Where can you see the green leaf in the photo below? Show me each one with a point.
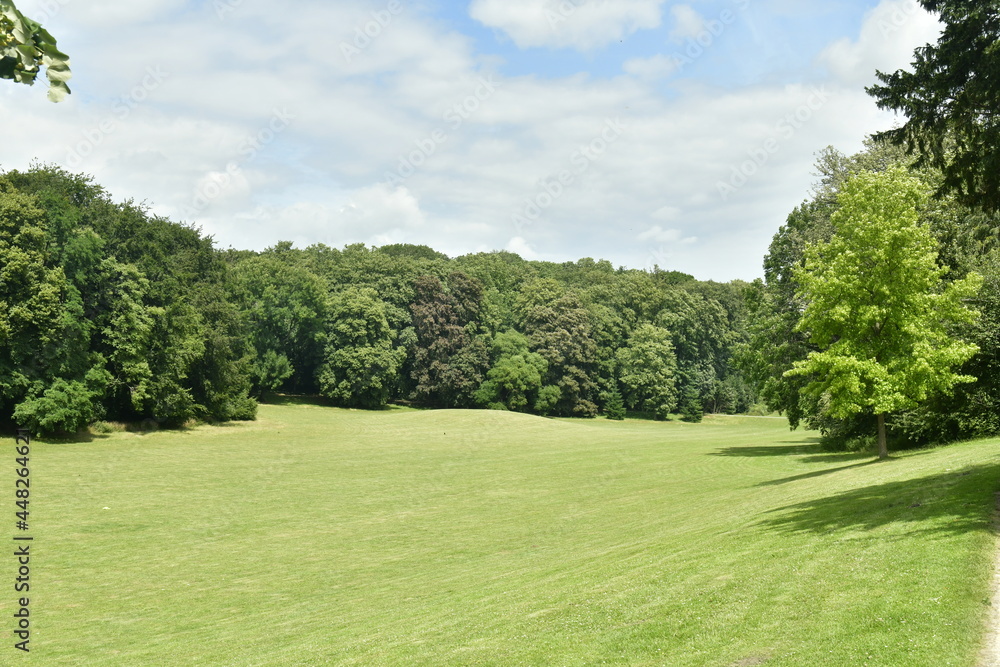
(29, 46)
(58, 91)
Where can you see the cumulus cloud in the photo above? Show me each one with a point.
(379, 204)
(376, 215)
(688, 23)
(519, 246)
(666, 213)
(578, 24)
(886, 42)
(655, 67)
(657, 234)
(100, 14)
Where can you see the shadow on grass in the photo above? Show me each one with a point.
(73, 439)
(295, 399)
(810, 446)
(817, 473)
(945, 503)
(323, 402)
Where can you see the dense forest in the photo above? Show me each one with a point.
(113, 314)
(110, 313)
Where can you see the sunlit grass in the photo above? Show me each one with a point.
(325, 536)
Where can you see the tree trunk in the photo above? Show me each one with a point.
(883, 450)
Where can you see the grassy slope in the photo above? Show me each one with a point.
(329, 536)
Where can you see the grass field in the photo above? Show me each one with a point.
(324, 536)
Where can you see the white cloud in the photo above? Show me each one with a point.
(378, 207)
(375, 215)
(519, 246)
(655, 67)
(688, 23)
(92, 14)
(666, 213)
(657, 234)
(579, 24)
(888, 35)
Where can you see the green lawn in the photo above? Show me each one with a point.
(324, 536)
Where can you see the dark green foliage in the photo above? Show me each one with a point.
(285, 305)
(950, 100)
(615, 407)
(703, 334)
(451, 357)
(221, 377)
(574, 317)
(972, 410)
(175, 330)
(558, 329)
(647, 368)
(360, 365)
(130, 314)
(690, 405)
(515, 378)
(271, 371)
(414, 251)
(63, 408)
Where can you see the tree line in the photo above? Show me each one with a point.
(108, 312)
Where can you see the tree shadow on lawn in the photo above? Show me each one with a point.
(270, 398)
(809, 451)
(947, 503)
(809, 446)
(315, 400)
(807, 454)
(818, 473)
(768, 450)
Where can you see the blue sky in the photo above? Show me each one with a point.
(645, 132)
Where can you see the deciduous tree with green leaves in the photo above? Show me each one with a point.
(647, 369)
(875, 305)
(361, 363)
(515, 378)
(26, 47)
